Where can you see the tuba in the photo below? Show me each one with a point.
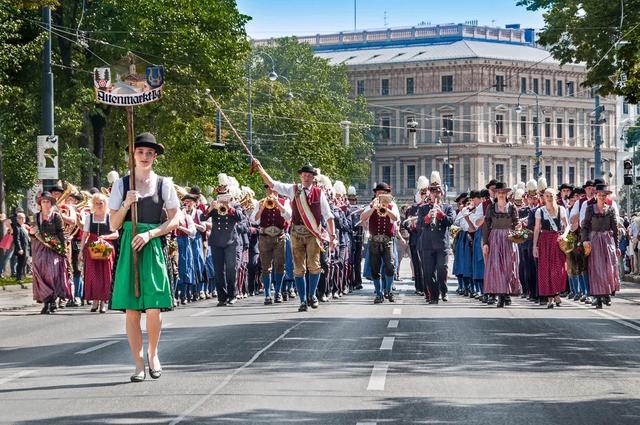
(68, 190)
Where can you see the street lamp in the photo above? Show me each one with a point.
(290, 95)
(272, 77)
(518, 109)
(412, 127)
(447, 133)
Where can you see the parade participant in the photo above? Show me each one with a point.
(310, 206)
(551, 220)
(528, 266)
(564, 192)
(272, 215)
(185, 233)
(434, 221)
(192, 205)
(402, 243)
(343, 231)
(576, 260)
(501, 271)
(600, 239)
(462, 255)
(250, 205)
(356, 234)
(224, 241)
(76, 239)
(49, 266)
(153, 194)
(98, 273)
(21, 246)
(7, 245)
(475, 233)
(576, 217)
(381, 214)
(410, 223)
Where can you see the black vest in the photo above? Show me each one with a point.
(150, 208)
(99, 228)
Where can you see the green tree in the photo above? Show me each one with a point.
(591, 31)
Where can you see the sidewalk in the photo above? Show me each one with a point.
(16, 298)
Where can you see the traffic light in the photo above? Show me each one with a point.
(628, 171)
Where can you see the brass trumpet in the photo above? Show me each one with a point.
(269, 202)
(222, 210)
(381, 204)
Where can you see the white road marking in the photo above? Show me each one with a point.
(230, 376)
(366, 423)
(97, 347)
(396, 311)
(616, 317)
(387, 343)
(200, 313)
(17, 375)
(393, 324)
(378, 377)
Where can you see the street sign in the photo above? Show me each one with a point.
(48, 153)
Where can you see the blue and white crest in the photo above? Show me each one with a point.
(155, 76)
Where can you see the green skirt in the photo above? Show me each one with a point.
(155, 289)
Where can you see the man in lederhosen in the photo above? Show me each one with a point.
(310, 206)
(382, 218)
(272, 216)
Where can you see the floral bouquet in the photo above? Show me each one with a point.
(568, 242)
(454, 231)
(100, 250)
(52, 243)
(520, 235)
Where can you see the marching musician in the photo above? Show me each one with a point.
(356, 234)
(310, 206)
(195, 208)
(272, 216)
(462, 247)
(224, 241)
(410, 224)
(434, 220)
(185, 233)
(382, 215)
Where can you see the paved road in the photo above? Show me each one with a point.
(349, 362)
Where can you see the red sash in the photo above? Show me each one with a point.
(307, 216)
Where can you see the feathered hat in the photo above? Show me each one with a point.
(339, 188)
(422, 183)
(518, 195)
(112, 176)
(542, 184)
(532, 187)
(520, 185)
(351, 191)
(436, 182)
(323, 181)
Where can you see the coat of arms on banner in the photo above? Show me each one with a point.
(122, 85)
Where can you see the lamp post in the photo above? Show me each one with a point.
(536, 167)
(290, 95)
(345, 124)
(272, 76)
(447, 133)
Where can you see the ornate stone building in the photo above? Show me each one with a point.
(462, 84)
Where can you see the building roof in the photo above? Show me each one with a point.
(461, 49)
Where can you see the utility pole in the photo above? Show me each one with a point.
(47, 122)
(354, 14)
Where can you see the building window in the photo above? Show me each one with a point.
(547, 128)
(467, 172)
(536, 88)
(638, 109)
(536, 130)
(560, 175)
(524, 175)
(572, 175)
(384, 87)
(499, 125)
(547, 87)
(572, 128)
(449, 174)
(499, 82)
(409, 85)
(625, 108)
(592, 173)
(411, 176)
(360, 87)
(558, 128)
(386, 127)
(559, 88)
(523, 126)
(547, 173)
(386, 174)
(592, 132)
(447, 125)
(571, 89)
(523, 85)
(499, 172)
(447, 83)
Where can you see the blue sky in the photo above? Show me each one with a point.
(272, 18)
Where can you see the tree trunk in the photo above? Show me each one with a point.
(99, 124)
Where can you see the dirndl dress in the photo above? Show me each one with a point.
(478, 258)
(463, 258)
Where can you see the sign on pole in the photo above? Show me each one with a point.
(48, 157)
